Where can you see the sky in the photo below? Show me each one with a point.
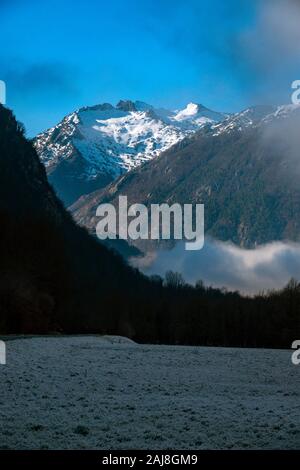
(226, 54)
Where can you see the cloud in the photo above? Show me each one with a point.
(225, 265)
(199, 29)
(268, 52)
(255, 44)
(278, 25)
(36, 80)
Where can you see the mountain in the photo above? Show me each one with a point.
(246, 170)
(94, 145)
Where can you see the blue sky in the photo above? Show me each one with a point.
(61, 55)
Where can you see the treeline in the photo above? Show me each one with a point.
(56, 278)
(209, 316)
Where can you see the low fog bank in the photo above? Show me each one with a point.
(222, 264)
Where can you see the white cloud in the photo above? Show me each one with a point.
(226, 265)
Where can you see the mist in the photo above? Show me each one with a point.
(222, 264)
(268, 52)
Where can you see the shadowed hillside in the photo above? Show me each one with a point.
(54, 276)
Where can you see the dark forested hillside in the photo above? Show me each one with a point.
(54, 277)
(53, 274)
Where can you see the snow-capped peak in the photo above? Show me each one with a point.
(110, 140)
(190, 111)
(197, 115)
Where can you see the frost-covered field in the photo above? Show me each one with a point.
(94, 393)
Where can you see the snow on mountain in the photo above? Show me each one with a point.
(196, 115)
(253, 117)
(245, 170)
(94, 145)
(282, 112)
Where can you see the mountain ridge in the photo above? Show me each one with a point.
(245, 170)
(94, 145)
